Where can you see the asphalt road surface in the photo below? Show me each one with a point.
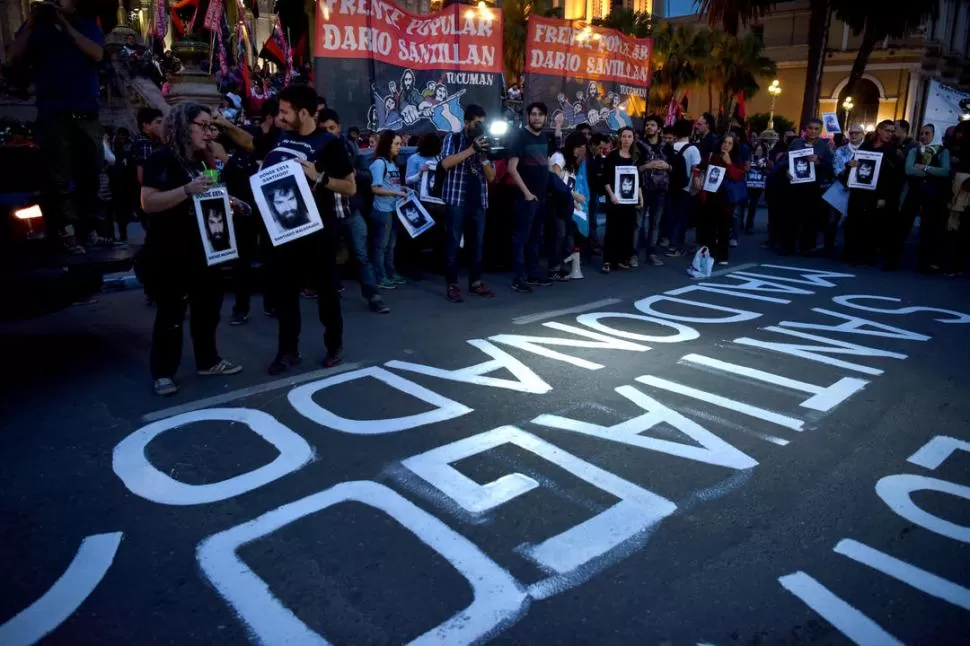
(776, 455)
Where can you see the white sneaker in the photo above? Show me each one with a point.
(733, 243)
(634, 261)
(165, 387)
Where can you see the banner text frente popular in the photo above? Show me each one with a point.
(376, 29)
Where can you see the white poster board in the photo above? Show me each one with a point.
(430, 192)
(626, 185)
(213, 214)
(944, 107)
(713, 178)
(413, 215)
(866, 175)
(830, 120)
(285, 202)
(800, 170)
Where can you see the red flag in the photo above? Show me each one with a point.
(741, 110)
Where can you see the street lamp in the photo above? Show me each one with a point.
(774, 90)
(847, 105)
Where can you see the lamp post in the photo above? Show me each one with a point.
(774, 90)
(847, 105)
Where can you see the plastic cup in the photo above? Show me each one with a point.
(212, 174)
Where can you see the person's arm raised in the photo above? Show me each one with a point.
(90, 48)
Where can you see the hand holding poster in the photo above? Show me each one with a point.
(713, 179)
(626, 185)
(285, 202)
(587, 75)
(866, 174)
(387, 69)
(413, 215)
(214, 218)
(430, 188)
(800, 170)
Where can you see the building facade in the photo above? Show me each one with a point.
(895, 79)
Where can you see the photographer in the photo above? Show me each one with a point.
(64, 49)
(467, 169)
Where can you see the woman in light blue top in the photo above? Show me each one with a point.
(386, 185)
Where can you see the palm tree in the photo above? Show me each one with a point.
(676, 61)
(876, 23)
(744, 63)
(710, 66)
(731, 14)
(516, 18)
(627, 21)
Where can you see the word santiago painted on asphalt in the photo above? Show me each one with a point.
(577, 554)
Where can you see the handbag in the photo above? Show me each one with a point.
(735, 192)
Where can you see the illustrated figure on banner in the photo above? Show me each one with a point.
(589, 109)
(403, 105)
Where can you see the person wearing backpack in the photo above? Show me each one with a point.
(684, 163)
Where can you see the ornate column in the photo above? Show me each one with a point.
(190, 43)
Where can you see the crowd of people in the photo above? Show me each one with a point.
(649, 189)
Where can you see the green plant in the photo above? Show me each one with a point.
(759, 122)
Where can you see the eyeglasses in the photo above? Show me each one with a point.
(204, 125)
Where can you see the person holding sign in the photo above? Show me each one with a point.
(725, 171)
(468, 171)
(386, 184)
(310, 258)
(621, 219)
(872, 214)
(173, 262)
(808, 211)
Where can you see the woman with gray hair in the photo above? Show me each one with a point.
(175, 271)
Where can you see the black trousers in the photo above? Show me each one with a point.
(802, 222)
(754, 197)
(307, 262)
(714, 226)
(868, 228)
(200, 291)
(621, 222)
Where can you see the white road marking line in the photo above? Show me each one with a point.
(249, 391)
(579, 309)
(910, 574)
(849, 621)
(93, 558)
(729, 269)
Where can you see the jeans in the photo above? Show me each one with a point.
(679, 216)
(754, 196)
(526, 238)
(652, 216)
(355, 232)
(383, 241)
(468, 219)
(311, 260)
(173, 294)
(72, 147)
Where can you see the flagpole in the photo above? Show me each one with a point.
(212, 49)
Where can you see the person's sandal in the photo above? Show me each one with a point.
(70, 245)
(622, 265)
(165, 387)
(223, 367)
(605, 268)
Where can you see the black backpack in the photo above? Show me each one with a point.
(678, 175)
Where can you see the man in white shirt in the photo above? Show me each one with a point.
(685, 163)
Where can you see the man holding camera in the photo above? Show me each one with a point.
(64, 50)
(464, 160)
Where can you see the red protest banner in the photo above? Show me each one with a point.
(212, 15)
(558, 48)
(457, 38)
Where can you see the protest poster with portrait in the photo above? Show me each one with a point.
(585, 74)
(626, 185)
(800, 169)
(413, 215)
(866, 174)
(213, 214)
(430, 188)
(285, 202)
(713, 178)
(383, 68)
(830, 120)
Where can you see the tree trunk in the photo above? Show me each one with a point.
(869, 40)
(818, 38)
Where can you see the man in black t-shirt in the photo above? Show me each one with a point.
(311, 258)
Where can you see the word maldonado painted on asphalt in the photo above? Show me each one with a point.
(575, 555)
